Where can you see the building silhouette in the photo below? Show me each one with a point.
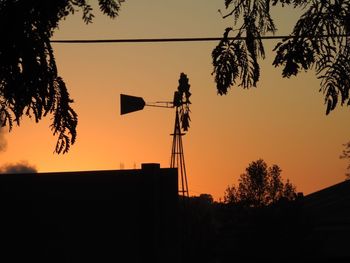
(90, 216)
(327, 216)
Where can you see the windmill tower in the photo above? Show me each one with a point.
(181, 103)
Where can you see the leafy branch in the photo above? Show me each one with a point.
(320, 40)
(346, 155)
(237, 58)
(29, 81)
(182, 101)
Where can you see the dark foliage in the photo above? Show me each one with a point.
(260, 186)
(265, 234)
(29, 81)
(182, 101)
(346, 155)
(289, 2)
(319, 40)
(226, 232)
(238, 58)
(197, 228)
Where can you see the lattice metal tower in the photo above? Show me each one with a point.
(177, 156)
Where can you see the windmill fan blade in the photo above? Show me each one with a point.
(130, 104)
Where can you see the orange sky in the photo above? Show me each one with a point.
(282, 121)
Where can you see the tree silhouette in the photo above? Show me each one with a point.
(29, 81)
(320, 39)
(182, 100)
(346, 155)
(260, 186)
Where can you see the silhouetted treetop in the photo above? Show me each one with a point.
(182, 101)
(346, 155)
(320, 40)
(288, 2)
(29, 81)
(259, 186)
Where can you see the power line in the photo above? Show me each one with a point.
(157, 40)
(139, 40)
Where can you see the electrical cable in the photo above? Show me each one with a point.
(190, 39)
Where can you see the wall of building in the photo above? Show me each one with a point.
(100, 216)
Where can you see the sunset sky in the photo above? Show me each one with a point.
(282, 121)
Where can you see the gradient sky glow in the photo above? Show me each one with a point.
(282, 121)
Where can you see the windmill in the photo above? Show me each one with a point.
(181, 104)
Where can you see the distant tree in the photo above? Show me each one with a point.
(320, 40)
(260, 186)
(206, 198)
(29, 81)
(346, 155)
(231, 195)
(275, 183)
(289, 191)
